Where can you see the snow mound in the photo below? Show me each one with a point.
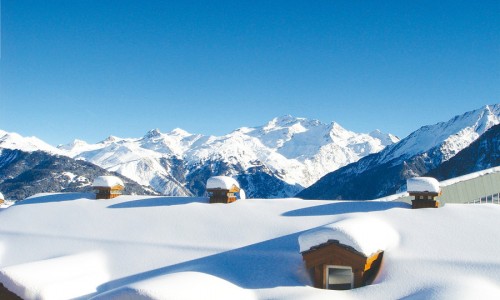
(107, 181)
(365, 234)
(182, 286)
(64, 277)
(423, 184)
(221, 182)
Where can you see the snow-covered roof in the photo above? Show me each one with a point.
(422, 184)
(364, 234)
(1, 197)
(107, 181)
(222, 182)
(148, 247)
(469, 176)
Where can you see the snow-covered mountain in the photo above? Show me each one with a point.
(14, 141)
(23, 174)
(275, 160)
(422, 151)
(482, 154)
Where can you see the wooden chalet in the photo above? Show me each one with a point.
(108, 187)
(222, 189)
(425, 190)
(336, 266)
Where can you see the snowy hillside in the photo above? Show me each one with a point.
(146, 247)
(385, 173)
(290, 152)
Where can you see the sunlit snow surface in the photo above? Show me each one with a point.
(62, 246)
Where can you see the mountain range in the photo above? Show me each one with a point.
(278, 159)
(424, 150)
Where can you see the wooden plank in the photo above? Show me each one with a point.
(334, 254)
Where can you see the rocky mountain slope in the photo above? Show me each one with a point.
(386, 172)
(483, 153)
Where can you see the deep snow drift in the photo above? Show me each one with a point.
(61, 246)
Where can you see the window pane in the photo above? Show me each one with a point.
(339, 278)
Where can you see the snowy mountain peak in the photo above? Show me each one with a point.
(110, 139)
(278, 123)
(179, 132)
(153, 133)
(75, 143)
(285, 120)
(451, 136)
(339, 134)
(337, 130)
(488, 117)
(288, 121)
(386, 138)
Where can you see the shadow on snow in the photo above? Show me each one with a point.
(345, 207)
(272, 263)
(55, 197)
(159, 201)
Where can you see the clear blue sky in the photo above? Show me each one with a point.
(88, 69)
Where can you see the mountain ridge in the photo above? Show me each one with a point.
(483, 153)
(384, 173)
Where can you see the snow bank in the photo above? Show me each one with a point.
(107, 181)
(221, 182)
(422, 184)
(179, 286)
(64, 277)
(366, 235)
